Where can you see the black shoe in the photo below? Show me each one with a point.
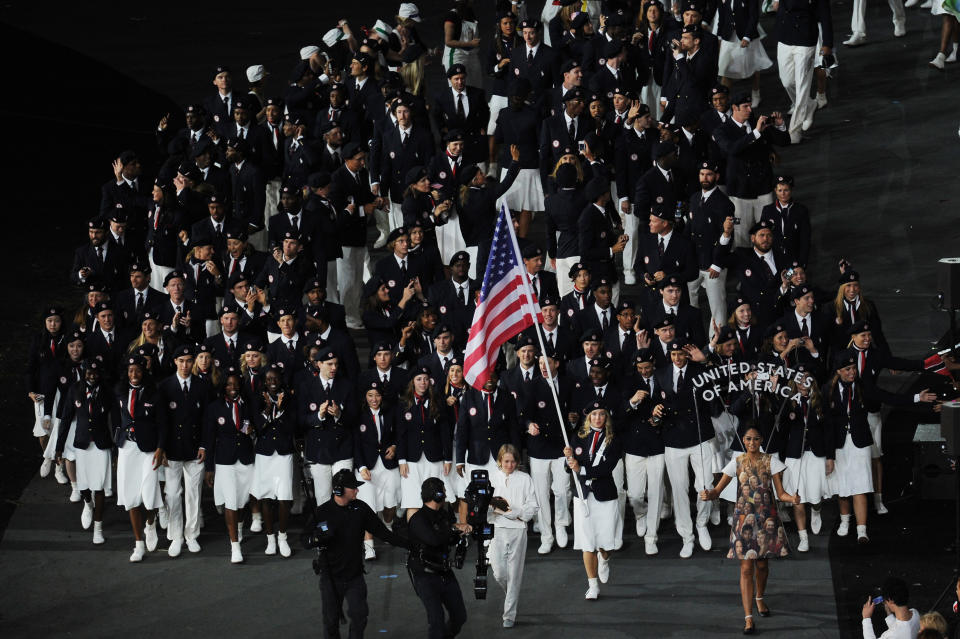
(763, 613)
(748, 627)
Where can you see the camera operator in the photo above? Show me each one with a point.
(337, 531)
(433, 531)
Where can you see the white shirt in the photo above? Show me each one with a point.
(676, 373)
(568, 120)
(601, 311)
(768, 258)
(532, 50)
(289, 340)
(466, 101)
(517, 489)
(181, 381)
(458, 286)
(896, 629)
(666, 238)
(668, 309)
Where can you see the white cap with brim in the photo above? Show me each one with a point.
(255, 73)
(382, 29)
(308, 51)
(333, 36)
(409, 10)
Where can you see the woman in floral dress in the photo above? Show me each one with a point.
(754, 537)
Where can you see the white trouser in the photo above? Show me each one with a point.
(322, 475)
(716, 290)
(507, 552)
(858, 18)
(350, 280)
(564, 283)
(876, 429)
(158, 273)
(650, 95)
(382, 219)
(182, 488)
(631, 226)
(679, 461)
(747, 212)
(645, 478)
(333, 290)
(474, 253)
(547, 475)
(272, 190)
(396, 215)
(795, 64)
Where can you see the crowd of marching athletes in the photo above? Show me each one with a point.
(222, 288)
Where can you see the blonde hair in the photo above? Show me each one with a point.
(935, 621)
(216, 377)
(866, 307)
(412, 74)
(607, 426)
(575, 163)
(243, 362)
(508, 449)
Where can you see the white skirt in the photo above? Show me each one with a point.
(808, 478)
(231, 485)
(137, 482)
(410, 485)
(450, 238)
(94, 468)
(597, 529)
(526, 192)
(739, 63)
(272, 477)
(382, 490)
(496, 103)
(853, 470)
(38, 430)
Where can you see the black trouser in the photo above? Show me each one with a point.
(439, 591)
(332, 593)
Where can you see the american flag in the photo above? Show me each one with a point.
(506, 306)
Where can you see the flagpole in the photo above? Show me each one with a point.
(528, 294)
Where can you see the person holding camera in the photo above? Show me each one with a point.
(592, 460)
(336, 531)
(514, 504)
(901, 621)
(432, 532)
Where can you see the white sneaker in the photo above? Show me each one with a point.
(808, 122)
(629, 278)
(844, 528)
(192, 545)
(46, 467)
(138, 552)
(755, 98)
(715, 513)
(796, 138)
(878, 504)
(804, 544)
(162, 516)
(937, 62)
(150, 536)
(562, 538)
(545, 547)
(821, 100)
(271, 545)
(256, 523)
(593, 591)
(75, 494)
(98, 533)
(815, 521)
(283, 545)
(855, 40)
(641, 526)
(650, 546)
(899, 29)
(86, 517)
(236, 557)
(60, 475)
(953, 54)
(603, 568)
(174, 549)
(687, 551)
(703, 536)
(910, 3)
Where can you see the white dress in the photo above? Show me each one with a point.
(740, 63)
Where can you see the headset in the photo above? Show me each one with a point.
(433, 489)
